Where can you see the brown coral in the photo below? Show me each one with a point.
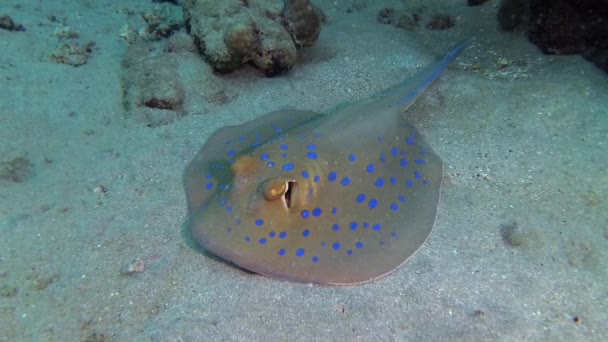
(302, 21)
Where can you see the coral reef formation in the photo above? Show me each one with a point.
(302, 21)
(266, 33)
(7, 23)
(153, 91)
(70, 49)
(412, 18)
(562, 27)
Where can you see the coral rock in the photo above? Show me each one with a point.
(302, 21)
(266, 33)
(153, 91)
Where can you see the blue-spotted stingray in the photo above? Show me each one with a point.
(338, 198)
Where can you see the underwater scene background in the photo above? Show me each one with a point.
(104, 104)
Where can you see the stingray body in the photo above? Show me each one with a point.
(338, 198)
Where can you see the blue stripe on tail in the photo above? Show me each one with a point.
(438, 66)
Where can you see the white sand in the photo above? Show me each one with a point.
(525, 144)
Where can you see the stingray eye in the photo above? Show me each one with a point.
(275, 188)
(279, 188)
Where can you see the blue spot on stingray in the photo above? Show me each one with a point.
(393, 180)
(331, 176)
(315, 259)
(305, 233)
(316, 212)
(208, 176)
(353, 226)
(270, 164)
(311, 155)
(230, 153)
(282, 235)
(247, 238)
(272, 234)
(281, 252)
(335, 227)
(284, 155)
(360, 198)
(379, 183)
(241, 138)
(311, 147)
(382, 160)
(288, 167)
(365, 224)
(373, 203)
(376, 227)
(223, 202)
(403, 162)
(394, 207)
(264, 156)
(425, 182)
(408, 183)
(401, 198)
(256, 144)
(259, 222)
(370, 168)
(359, 244)
(262, 241)
(284, 147)
(228, 230)
(379, 139)
(300, 252)
(419, 161)
(305, 213)
(237, 221)
(345, 181)
(410, 141)
(228, 208)
(394, 151)
(304, 174)
(317, 134)
(209, 186)
(316, 179)
(336, 245)
(349, 252)
(352, 157)
(334, 211)
(393, 234)
(417, 174)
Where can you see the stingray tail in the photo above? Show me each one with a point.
(426, 77)
(406, 92)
